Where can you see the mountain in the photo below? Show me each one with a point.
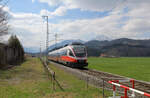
(102, 38)
(31, 50)
(123, 47)
(120, 47)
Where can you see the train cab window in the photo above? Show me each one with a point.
(65, 52)
(70, 53)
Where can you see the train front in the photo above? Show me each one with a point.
(79, 53)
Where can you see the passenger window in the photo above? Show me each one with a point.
(70, 53)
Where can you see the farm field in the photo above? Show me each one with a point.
(31, 81)
(136, 67)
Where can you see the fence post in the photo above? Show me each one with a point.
(133, 93)
(53, 76)
(103, 89)
(87, 82)
(114, 91)
(125, 93)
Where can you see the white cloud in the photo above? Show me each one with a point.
(33, 1)
(114, 25)
(60, 11)
(93, 5)
(29, 25)
(51, 2)
(139, 15)
(107, 26)
(137, 25)
(29, 28)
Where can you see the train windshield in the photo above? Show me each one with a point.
(79, 50)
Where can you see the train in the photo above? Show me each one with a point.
(71, 55)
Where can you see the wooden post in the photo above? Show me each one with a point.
(103, 89)
(87, 82)
(53, 80)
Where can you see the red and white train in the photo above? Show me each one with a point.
(73, 55)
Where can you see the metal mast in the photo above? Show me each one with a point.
(47, 38)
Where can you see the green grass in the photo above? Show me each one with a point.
(137, 68)
(77, 88)
(30, 81)
(26, 81)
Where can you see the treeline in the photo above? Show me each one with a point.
(11, 53)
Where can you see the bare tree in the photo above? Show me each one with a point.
(3, 20)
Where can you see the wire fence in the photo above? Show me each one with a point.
(51, 75)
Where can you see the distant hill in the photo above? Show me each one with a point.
(123, 47)
(31, 50)
(120, 47)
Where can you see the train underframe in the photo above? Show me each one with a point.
(77, 64)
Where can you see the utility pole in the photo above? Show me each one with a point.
(47, 38)
(40, 50)
(56, 36)
(56, 39)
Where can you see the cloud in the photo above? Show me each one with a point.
(138, 18)
(51, 2)
(132, 22)
(33, 1)
(60, 11)
(107, 26)
(29, 28)
(93, 5)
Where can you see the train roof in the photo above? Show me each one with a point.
(73, 43)
(76, 43)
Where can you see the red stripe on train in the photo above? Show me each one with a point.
(68, 59)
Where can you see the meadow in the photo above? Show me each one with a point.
(31, 81)
(26, 81)
(135, 67)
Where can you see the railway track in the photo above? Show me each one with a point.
(97, 77)
(140, 85)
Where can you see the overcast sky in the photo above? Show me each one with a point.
(79, 19)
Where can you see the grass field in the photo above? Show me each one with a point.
(26, 81)
(30, 81)
(75, 88)
(137, 68)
